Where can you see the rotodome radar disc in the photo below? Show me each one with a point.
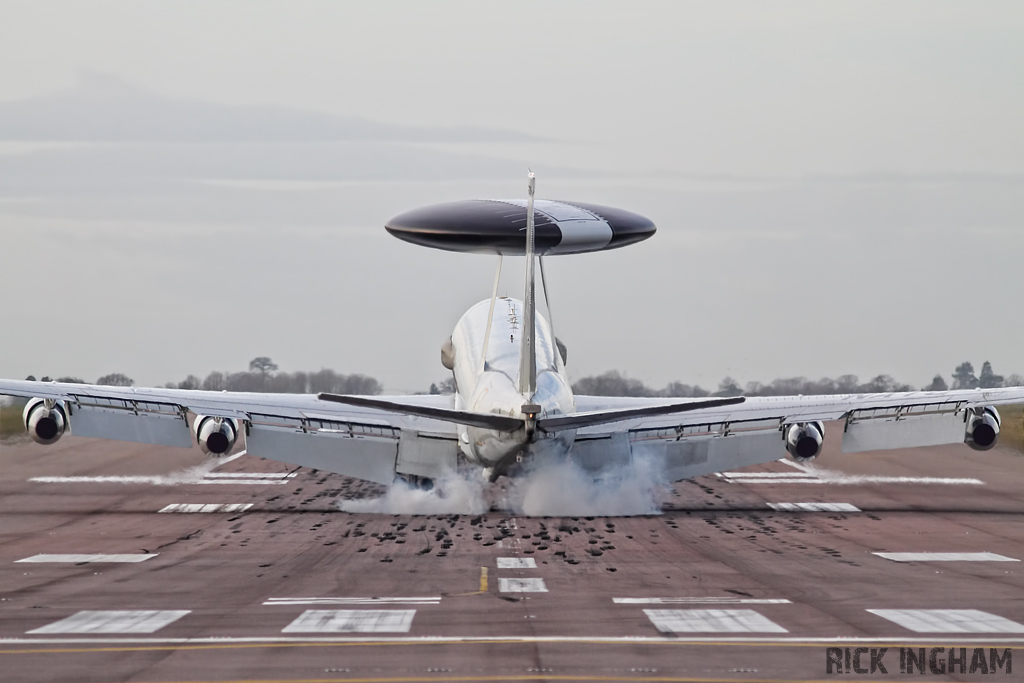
(498, 226)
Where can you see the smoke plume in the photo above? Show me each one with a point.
(548, 489)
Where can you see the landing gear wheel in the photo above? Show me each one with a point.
(415, 481)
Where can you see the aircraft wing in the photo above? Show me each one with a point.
(710, 440)
(298, 429)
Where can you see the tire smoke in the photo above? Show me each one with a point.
(453, 493)
(548, 489)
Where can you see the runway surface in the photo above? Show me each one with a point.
(253, 574)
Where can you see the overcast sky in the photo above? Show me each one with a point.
(839, 187)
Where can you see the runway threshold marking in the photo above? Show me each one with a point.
(711, 621)
(813, 507)
(517, 563)
(352, 621)
(82, 559)
(120, 621)
(433, 600)
(206, 507)
(949, 620)
(521, 585)
(946, 557)
(707, 600)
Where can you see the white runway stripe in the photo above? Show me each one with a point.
(354, 601)
(767, 475)
(752, 480)
(522, 586)
(352, 621)
(813, 507)
(949, 620)
(809, 474)
(155, 481)
(711, 621)
(849, 480)
(516, 563)
(249, 475)
(206, 507)
(140, 621)
(698, 601)
(79, 559)
(243, 482)
(946, 557)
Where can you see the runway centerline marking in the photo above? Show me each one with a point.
(697, 601)
(132, 621)
(946, 557)
(81, 559)
(949, 620)
(434, 600)
(522, 586)
(352, 621)
(206, 507)
(711, 621)
(813, 507)
(517, 563)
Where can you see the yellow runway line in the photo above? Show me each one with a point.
(527, 677)
(483, 585)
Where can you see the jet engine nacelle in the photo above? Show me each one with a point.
(216, 435)
(45, 420)
(448, 354)
(804, 439)
(983, 428)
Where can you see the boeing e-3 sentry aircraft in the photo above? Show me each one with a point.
(513, 404)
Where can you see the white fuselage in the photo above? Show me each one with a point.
(493, 386)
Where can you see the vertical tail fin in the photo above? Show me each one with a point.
(528, 350)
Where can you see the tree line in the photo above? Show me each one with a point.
(613, 383)
(262, 376)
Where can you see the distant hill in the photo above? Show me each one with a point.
(102, 108)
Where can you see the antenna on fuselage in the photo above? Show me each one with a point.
(547, 305)
(527, 349)
(490, 316)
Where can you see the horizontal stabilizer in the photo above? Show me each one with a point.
(501, 423)
(580, 420)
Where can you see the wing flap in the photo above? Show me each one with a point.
(365, 457)
(688, 458)
(158, 429)
(873, 430)
(159, 424)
